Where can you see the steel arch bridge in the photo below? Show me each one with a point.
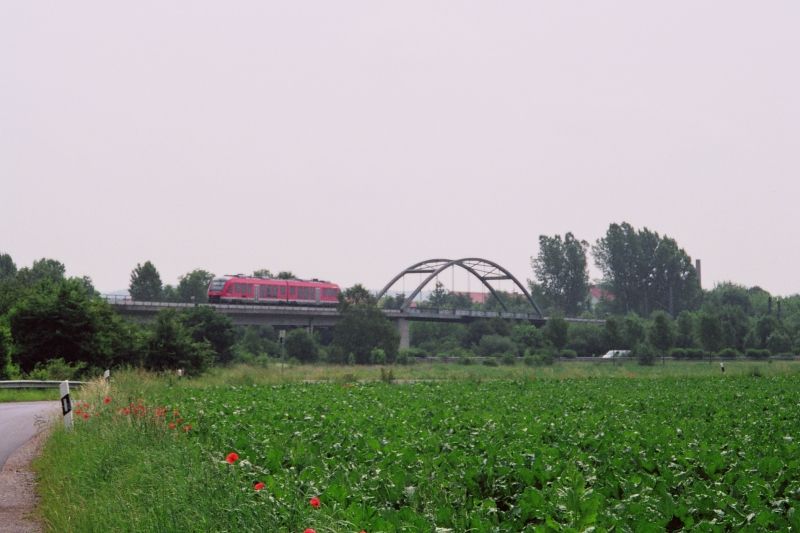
(483, 269)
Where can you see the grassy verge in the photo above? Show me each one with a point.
(28, 395)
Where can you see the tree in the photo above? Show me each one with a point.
(633, 331)
(684, 337)
(193, 287)
(527, 337)
(145, 283)
(300, 345)
(42, 270)
(170, 346)
(363, 327)
(734, 326)
(286, 274)
(5, 352)
(556, 331)
(614, 332)
(8, 270)
(205, 324)
(709, 331)
(355, 296)
(661, 335)
(561, 272)
(645, 271)
(263, 273)
(63, 320)
(438, 296)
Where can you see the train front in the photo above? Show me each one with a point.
(215, 290)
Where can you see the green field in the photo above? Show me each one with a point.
(536, 453)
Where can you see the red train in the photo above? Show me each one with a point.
(245, 290)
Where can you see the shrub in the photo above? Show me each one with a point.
(490, 362)
(466, 361)
(508, 359)
(569, 354)
(301, 345)
(495, 345)
(378, 357)
(406, 356)
(728, 353)
(694, 353)
(57, 370)
(756, 353)
(678, 353)
(539, 359)
(645, 354)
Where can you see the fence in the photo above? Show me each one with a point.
(36, 384)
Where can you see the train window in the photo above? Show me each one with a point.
(283, 291)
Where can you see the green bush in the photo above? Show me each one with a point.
(466, 361)
(695, 353)
(377, 356)
(495, 345)
(57, 370)
(728, 353)
(756, 353)
(406, 356)
(539, 359)
(300, 345)
(645, 354)
(508, 359)
(678, 353)
(490, 362)
(569, 354)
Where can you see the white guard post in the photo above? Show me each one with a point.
(66, 404)
(107, 375)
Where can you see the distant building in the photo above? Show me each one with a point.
(476, 297)
(598, 294)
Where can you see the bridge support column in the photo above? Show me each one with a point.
(405, 337)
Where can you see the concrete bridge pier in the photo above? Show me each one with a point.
(405, 337)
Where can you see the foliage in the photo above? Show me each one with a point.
(262, 273)
(561, 272)
(43, 270)
(709, 331)
(170, 346)
(205, 324)
(5, 353)
(661, 334)
(363, 326)
(587, 339)
(145, 283)
(526, 337)
(8, 270)
(258, 340)
(633, 331)
(755, 353)
(646, 271)
(300, 345)
(57, 370)
(728, 353)
(193, 286)
(62, 320)
(495, 345)
(685, 326)
(286, 274)
(778, 343)
(556, 331)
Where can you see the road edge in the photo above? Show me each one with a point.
(18, 498)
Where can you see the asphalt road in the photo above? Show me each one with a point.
(18, 423)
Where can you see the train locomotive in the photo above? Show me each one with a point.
(242, 289)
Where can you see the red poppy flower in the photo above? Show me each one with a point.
(186, 428)
(107, 399)
(309, 530)
(315, 503)
(232, 457)
(259, 486)
(86, 416)
(172, 425)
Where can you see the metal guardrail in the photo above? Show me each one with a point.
(36, 384)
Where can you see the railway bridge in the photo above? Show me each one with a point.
(311, 316)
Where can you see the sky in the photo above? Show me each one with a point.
(347, 140)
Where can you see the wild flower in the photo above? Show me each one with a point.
(232, 457)
(314, 502)
(107, 400)
(259, 486)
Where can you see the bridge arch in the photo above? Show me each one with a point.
(483, 269)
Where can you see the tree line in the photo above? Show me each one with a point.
(58, 327)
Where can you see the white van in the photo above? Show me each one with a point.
(615, 353)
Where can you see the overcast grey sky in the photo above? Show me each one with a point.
(347, 140)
